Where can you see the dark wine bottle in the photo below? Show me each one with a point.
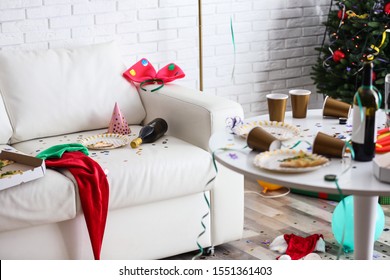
(150, 132)
(365, 105)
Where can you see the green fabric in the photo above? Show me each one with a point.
(58, 150)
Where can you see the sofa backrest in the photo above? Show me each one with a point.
(5, 125)
(60, 91)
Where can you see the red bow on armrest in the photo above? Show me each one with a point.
(143, 72)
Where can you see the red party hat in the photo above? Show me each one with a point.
(118, 123)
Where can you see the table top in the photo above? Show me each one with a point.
(353, 177)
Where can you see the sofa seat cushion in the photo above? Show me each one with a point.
(165, 169)
(45, 200)
(59, 91)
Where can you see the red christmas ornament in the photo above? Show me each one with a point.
(338, 55)
(340, 15)
(386, 9)
(373, 76)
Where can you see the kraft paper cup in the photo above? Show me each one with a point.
(328, 146)
(335, 108)
(277, 103)
(299, 102)
(260, 140)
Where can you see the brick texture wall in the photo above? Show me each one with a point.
(274, 40)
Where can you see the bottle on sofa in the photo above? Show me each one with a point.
(150, 132)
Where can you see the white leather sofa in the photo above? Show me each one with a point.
(156, 201)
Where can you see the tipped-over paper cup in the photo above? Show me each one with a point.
(299, 102)
(260, 140)
(335, 108)
(328, 146)
(277, 103)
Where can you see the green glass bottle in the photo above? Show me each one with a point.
(150, 132)
(365, 105)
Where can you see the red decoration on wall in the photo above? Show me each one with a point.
(338, 55)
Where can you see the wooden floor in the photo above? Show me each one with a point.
(267, 218)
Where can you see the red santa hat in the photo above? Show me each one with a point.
(296, 247)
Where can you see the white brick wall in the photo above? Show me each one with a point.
(274, 40)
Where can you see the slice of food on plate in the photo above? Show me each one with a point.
(303, 159)
(10, 173)
(100, 145)
(5, 162)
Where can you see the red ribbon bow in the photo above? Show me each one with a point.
(144, 72)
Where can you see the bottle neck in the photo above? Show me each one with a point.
(136, 143)
(367, 76)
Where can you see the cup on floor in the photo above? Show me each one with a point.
(299, 102)
(328, 146)
(277, 103)
(260, 140)
(335, 108)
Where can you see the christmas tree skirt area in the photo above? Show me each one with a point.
(383, 200)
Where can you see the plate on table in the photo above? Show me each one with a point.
(290, 161)
(280, 130)
(105, 141)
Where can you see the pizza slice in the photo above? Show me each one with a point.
(10, 173)
(5, 162)
(303, 159)
(100, 145)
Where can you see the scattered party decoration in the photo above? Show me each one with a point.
(232, 123)
(143, 72)
(341, 14)
(357, 32)
(352, 14)
(118, 123)
(338, 55)
(345, 217)
(386, 9)
(296, 247)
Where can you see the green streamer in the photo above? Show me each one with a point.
(201, 249)
(300, 142)
(234, 45)
(152, 81)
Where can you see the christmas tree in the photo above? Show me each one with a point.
(356, 31)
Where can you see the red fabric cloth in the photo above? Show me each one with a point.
(93, 190)
(298, 247)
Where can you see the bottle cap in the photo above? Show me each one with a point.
(343, 120)
(136, 143)
(330, 177)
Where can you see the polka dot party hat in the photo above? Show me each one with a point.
(118, 123)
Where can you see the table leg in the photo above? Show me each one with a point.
(365, 208)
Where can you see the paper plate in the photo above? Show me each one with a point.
(280, 130)
(272, 160)
(105, 141)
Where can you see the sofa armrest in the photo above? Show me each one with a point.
(191, 115)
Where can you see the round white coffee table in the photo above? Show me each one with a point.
(357, 180)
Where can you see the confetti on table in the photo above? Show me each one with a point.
(233, 156)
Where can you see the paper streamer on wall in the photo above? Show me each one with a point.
(233, 39)
(234, 45)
